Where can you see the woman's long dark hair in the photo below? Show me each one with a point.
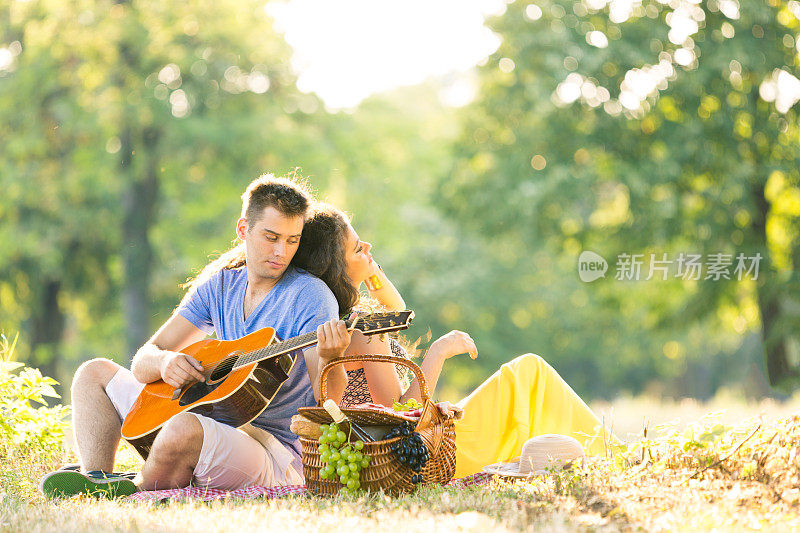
(322, 253)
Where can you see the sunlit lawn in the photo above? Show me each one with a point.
(627, 415)
(753, 486)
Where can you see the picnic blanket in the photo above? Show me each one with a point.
(199, 493)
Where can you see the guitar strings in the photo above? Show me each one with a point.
(377, 322)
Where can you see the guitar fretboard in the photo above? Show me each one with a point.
(368, 325)
(276, 349)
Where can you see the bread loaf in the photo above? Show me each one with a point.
(303, 427)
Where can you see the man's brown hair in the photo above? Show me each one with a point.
(290, 195)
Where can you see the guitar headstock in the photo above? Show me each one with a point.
(374, 323)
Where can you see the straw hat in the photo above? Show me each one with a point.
(538, 455)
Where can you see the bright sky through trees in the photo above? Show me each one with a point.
(346, 50)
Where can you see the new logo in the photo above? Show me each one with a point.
(591, 266)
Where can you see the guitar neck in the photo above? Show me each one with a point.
(277, 349)
(367, 324)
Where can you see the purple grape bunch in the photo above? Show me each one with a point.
(410, 449)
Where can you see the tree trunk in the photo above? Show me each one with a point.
(137, 255)
(139, 207)
(47, 330)
(780, 373)
(138, 200)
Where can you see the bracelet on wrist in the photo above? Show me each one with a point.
(373, 283)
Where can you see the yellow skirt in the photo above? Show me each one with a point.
(525, 398)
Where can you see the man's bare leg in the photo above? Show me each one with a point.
(174, 454)
(95, 422)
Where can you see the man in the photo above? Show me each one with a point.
(249, 288)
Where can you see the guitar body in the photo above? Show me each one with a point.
(230, 396)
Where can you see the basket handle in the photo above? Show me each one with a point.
(374, 358)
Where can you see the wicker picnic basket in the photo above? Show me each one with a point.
(385, 471)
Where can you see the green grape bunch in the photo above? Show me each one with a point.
(341, 459)
(410, 405)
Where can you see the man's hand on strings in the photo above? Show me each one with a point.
(179, 370)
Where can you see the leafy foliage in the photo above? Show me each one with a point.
(24, 426)
(139, 115)
(134, 127)
(644, 129)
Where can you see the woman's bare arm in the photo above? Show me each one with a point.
(442, 349)
(384, 290)
(382, 379)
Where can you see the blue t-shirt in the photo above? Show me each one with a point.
(297, 304)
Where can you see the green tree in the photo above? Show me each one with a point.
(51, 178)
(661, 127)
(124, 115)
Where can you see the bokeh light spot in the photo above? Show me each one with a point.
(113, 145)
(684, 57)
(729, 8)
(507, 65)
(169, 74)
(191, 27)
(570, 89)
(258, 82)
(597, 38)
(538, 162)
(180, 104)
(673, 350)
(727, 30)
(533, 12)
(6, 58)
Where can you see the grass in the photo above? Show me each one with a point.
(629, 415)
(697, 475)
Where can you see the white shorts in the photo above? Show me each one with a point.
(230, 458)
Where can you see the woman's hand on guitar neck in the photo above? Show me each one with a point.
(179, 369)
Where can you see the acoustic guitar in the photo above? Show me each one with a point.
(241, 378)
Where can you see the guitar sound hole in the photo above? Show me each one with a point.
(194, 394)
(224, 368)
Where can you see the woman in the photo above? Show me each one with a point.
(524, 398)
